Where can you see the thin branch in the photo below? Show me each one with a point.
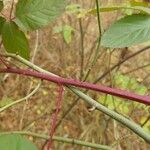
(121, 62)
(96, 55)
(82, 49)
(61, 139)
(31, 83)
(20, 100)
(140, 67)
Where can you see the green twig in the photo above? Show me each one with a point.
(96, 55)
(61, 139)
(128, 123)
(82, 49)
(20, 100)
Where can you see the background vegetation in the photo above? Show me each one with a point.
(67, 47)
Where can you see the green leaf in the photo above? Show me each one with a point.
(1, 5)
(15, 142)
(14, 40)
(34, 14)
(67, 33)
(128, 31)
(2, 20)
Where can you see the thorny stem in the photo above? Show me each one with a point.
(55, 117)
(63, 81)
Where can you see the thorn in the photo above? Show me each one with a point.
(92, 109)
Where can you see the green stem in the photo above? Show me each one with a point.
(96, 55)
(82, 49)
(128, 123)
(61, 139)
(100, 33)
(20, 100)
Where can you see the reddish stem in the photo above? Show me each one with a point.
(63, 81)
(54, 120)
